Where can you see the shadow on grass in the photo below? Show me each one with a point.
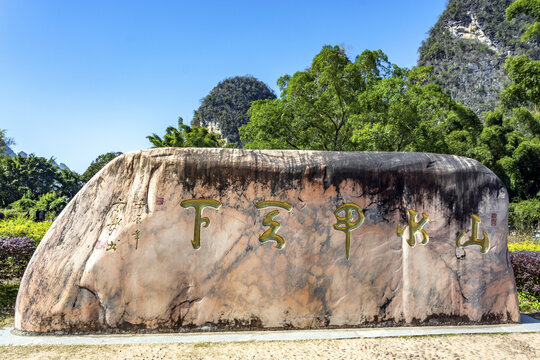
(535, 315)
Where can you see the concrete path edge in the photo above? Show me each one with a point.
(7, 337)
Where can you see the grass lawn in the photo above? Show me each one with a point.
(8, 295)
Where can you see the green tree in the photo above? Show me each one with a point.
(316, 105)
(51, 203)
(69, 183)
(510, 141)
(406, 112)
(523, 71)
(186, 136)
(23, 174)
(32, 177)
(510, 146)
(225, 107)
(98, 164)
(525, 87)
(365, 104)
(528, 7)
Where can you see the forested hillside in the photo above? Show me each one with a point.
(224, 109)
(468, 47)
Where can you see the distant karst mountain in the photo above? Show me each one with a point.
(9, 152)
(468, 46)
(225, 108)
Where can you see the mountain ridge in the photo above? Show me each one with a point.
(468, 46)
(9, 152)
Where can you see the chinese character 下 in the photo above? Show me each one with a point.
(199, 205)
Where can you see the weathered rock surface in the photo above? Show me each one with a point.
(121, 255)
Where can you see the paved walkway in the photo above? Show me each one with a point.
(528, 324)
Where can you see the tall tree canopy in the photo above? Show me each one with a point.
(34, 176)
(525, 87)
(528, 7)
(523, 71)
(510, 146)
(365, 104)
(98, 164)
(225, 108)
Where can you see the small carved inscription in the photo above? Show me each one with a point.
(118, 207)
(111, 245)
(138, 219)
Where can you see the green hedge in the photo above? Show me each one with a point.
(24, 228)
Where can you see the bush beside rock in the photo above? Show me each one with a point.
(15, 253)
(526, 267)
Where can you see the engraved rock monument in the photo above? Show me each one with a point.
(184, 239)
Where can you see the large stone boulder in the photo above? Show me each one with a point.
(185, 239)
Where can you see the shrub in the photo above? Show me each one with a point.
(528, 303)
(524, 215)
(51, 203)
(13, 213)
(15, 253)
(524, 246)
(23, 204)
(526, 267)
(22, 227)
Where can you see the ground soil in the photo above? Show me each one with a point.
(493, 347)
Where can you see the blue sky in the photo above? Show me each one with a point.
(82, 78)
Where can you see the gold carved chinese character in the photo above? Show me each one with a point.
(352, 218)
(111, 245)
(473, 239)
(199, 205)
(140, 205)
(138, 219)
(118, 207)
(270, 234)
(137, 235)
(414, 227)
(114, 224)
